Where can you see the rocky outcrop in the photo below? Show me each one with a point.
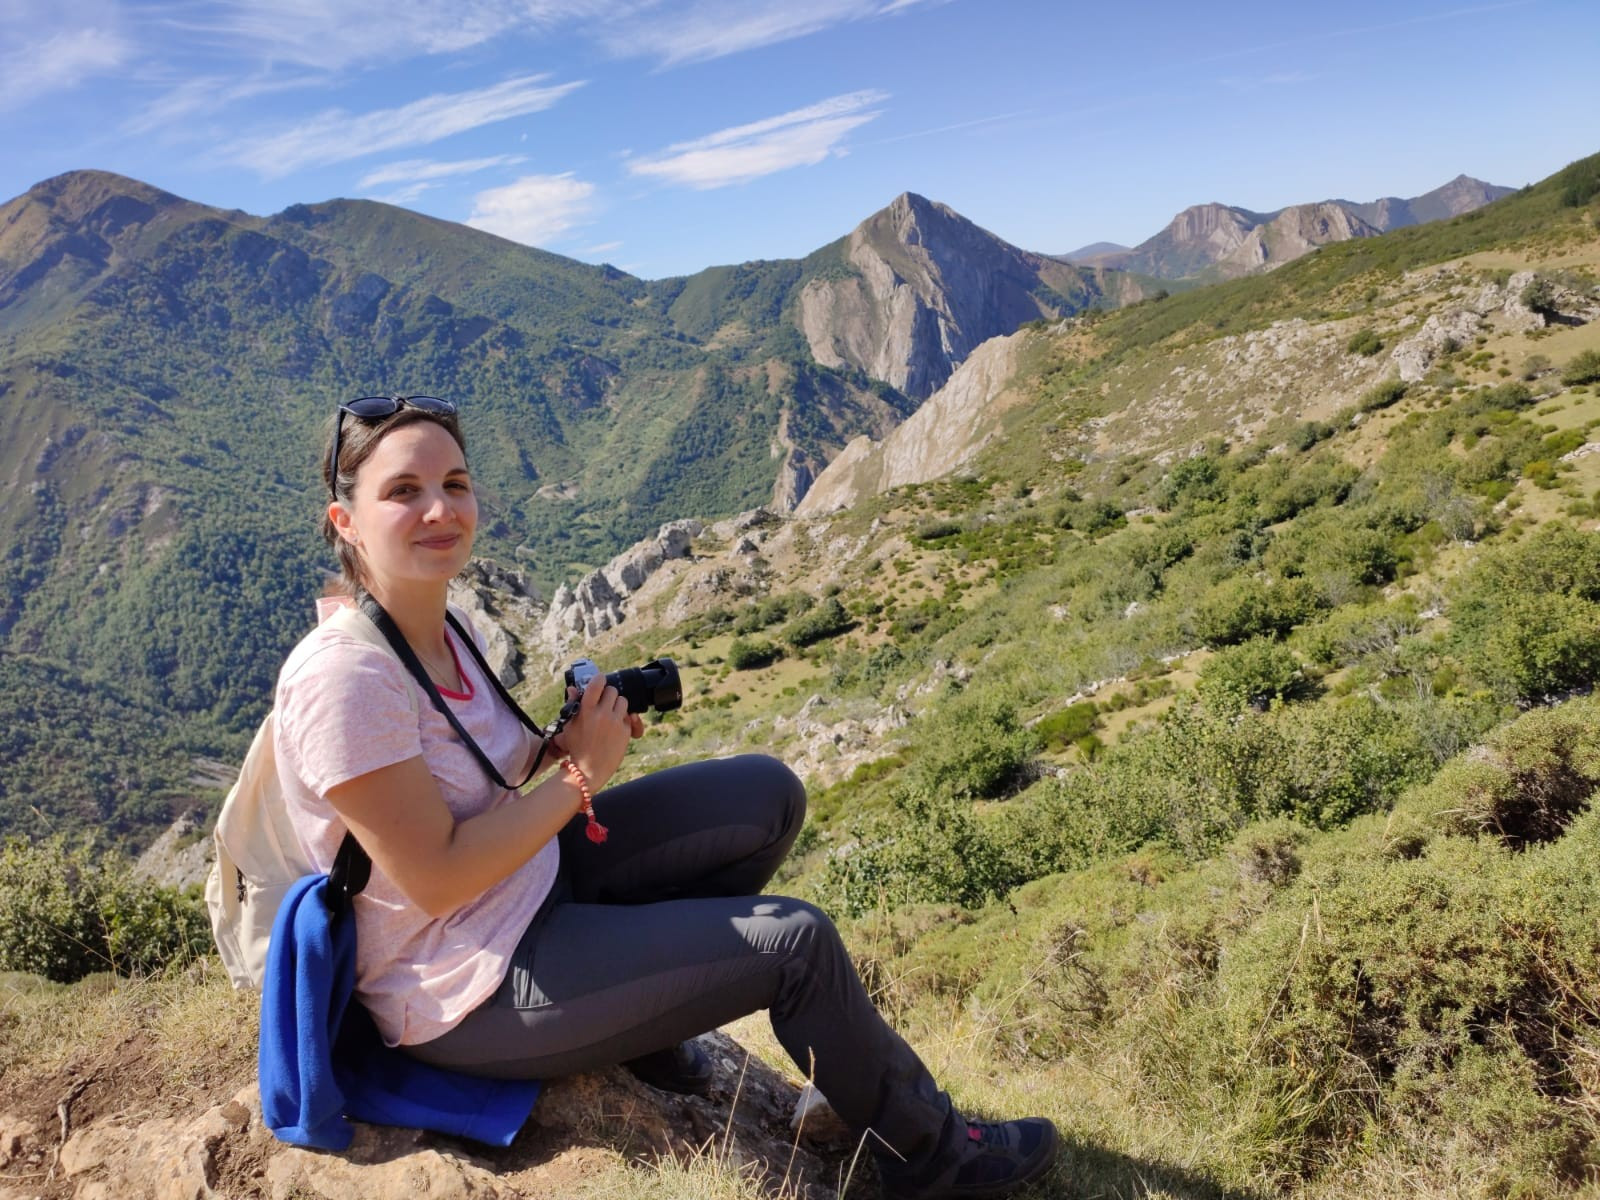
(920, 287)
(1295, 231)
(1502, 306)
(596, 602)
(496, 597)
(944, 433)
(577, 1125)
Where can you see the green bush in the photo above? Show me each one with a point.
(1240, 609)
(1365, 343)
(826, 620)
(748, 655)
(1252, 673)
(1064, 728)
(974, 747)
(66, 913)
(1581, 369)
(1390, 391)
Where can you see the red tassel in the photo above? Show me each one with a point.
(595, 831)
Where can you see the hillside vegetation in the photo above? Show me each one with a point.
(1210, 766)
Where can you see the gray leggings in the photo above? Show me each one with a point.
(657, 935)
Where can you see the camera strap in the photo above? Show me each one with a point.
(380, 617)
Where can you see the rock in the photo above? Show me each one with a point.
(1415, 354)
(180, 855)
(950, 427)
(596, 603)
(226, 1151)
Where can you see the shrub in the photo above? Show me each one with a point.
(1250, 674)
(748, 655)
(1067, 726)
(1365, 343)
(1390, 391)
(66, 913)
(1240, 609)
(1583, 368)
(975, 748)
(826, 620)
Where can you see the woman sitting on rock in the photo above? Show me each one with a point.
(494, 937)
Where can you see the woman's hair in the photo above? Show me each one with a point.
(358, 441)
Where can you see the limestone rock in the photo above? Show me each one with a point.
(922, 288)
(951, 427)
(226, 1151)
(596, 602)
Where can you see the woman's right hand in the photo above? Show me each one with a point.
(597, 736)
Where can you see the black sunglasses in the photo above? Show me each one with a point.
(375, 408)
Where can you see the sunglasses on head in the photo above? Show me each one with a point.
(375, 408)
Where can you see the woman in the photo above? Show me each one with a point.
(494, 938)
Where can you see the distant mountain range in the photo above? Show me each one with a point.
(1209, 242)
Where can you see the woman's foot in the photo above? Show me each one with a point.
(996, 1159)
(685, 1069)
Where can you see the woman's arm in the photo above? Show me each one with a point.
(403, 823)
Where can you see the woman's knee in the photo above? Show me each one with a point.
(772, 779)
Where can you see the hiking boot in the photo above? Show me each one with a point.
(997, 1159)
(685, 1069)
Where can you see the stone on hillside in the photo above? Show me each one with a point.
(1439, 333)
(578, 1125)
(597, 602)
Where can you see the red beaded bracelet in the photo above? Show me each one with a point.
(595, 831)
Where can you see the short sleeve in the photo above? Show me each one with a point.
(343, 710)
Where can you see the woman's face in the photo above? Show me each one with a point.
(413, 513)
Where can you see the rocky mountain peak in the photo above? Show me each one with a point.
(919, 287)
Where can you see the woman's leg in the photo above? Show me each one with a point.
(713, 828)
(594, 984)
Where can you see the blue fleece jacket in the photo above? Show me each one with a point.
(322, 1061)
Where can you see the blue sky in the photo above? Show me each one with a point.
(669, 135)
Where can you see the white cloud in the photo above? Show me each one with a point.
(534, 210)
(331, 34)
(58, 62)
(715, 28)
(601, 248)
(422, 170)
(803, 137)
(204, 94)
(337, 136)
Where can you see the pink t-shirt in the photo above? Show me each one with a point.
(342, 711)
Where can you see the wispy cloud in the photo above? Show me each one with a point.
(418, 176)
(422, 170)
(337, 136)
(1252, 83)
(59, 61)
(205, 94)
(602, 248)
(800, 138)
(333, 34)
(535, 210)
(715, 28)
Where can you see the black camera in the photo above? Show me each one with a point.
(654, 685)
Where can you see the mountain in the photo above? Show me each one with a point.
(917, 287)
(1461, 195)
(1218, 241)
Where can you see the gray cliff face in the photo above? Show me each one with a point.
(1295, 231)
(937, 439)
(922, 287)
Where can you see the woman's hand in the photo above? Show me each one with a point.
(597, 736)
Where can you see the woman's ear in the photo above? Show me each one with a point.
(344, 522)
